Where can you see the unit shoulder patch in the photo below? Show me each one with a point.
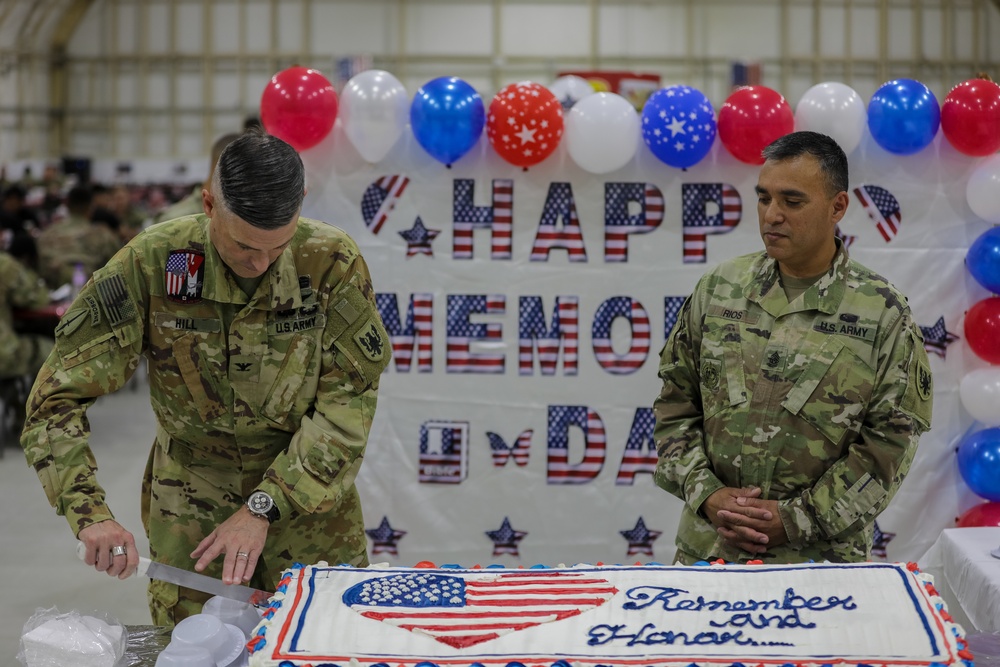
(370, 340)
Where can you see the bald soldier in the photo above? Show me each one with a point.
(264, 350)
(795, 383)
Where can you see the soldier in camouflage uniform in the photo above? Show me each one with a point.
(20, 288)
(795, 383)
(75, 240)
(191, 205)
(264, 349)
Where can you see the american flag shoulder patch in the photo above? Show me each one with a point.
(116, 299)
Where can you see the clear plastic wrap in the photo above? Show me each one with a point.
(51, 638)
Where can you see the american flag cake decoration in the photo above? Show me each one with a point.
(716, 615)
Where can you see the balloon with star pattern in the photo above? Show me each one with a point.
(678, 125)
(525, 123)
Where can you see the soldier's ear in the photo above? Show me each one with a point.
(207, 201)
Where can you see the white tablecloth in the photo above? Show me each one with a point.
(967, 576)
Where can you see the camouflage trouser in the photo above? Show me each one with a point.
(183, 500)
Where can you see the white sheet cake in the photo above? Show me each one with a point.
(629, 616)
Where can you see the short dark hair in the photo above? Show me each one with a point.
(78, 199)
(15, 191)
(261, 179)
(102, 216)
(831, 157)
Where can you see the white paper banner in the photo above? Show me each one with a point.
(527, 310)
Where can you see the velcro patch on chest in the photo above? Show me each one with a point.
(841, 328)
(181, 322)
(300, 322)
(732, 314)
(184, 275)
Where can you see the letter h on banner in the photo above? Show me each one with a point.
(467, 216)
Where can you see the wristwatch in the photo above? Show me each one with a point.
(261, 504)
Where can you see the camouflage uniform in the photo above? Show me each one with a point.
(20, 288)
(273, 392)
(820, 403)
(74, 240)
(190, 205)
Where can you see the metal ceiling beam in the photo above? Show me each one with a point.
(59, 74)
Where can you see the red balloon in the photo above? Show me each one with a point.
(299, 105)
(970, 117)
(982, 329)
(985, 514)
(525, 123)
(750, 119)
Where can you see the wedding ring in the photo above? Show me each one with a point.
(117, 551)
(243, 554)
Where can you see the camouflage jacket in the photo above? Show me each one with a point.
(278, 388)
(19, 288)
(74, 240)
(189, 205)
(820, 403)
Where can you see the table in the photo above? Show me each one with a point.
(967, 576)
(40, 320)
(145, 642)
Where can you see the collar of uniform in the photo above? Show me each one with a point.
(824, 295)
(76, 221)
(281, 277)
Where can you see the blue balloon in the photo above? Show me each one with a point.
(903, 116)
(979, 462)
(447, 117)
(983, 259)
(678, 125)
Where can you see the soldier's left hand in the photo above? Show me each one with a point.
(749, 532)
(241, 538)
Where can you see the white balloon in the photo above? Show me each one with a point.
(374, 110)
(570, 89)
(833, 109)
(602, 132)
(980, 394)
(983, 190)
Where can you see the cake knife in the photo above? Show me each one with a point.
(193, 580)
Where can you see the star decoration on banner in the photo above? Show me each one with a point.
(505, 539)
(640, 539)
(384, 538)
(880, 541)
(418, 239)
(937, 338)
(848, 239)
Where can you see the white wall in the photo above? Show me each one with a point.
(162, 78)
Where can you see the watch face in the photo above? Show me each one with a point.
(260, 503)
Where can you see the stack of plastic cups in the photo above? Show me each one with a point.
(203, 640)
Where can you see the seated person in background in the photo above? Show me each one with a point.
(191, 205)
(75, 240)
(132, 218)
(20, 287)
(107, 218)
(14, 206)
